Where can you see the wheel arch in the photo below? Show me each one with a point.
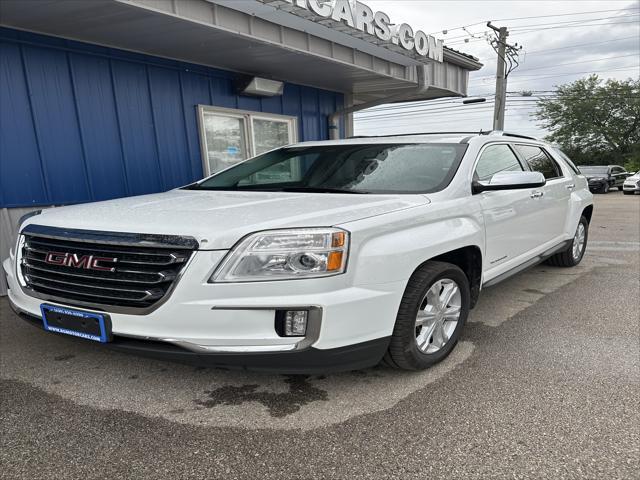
(469, 260)
(588, 213)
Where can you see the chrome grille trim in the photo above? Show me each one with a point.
(143, 277)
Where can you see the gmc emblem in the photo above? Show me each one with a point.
(88, 262)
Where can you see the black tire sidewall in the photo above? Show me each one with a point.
(583, 221)
(424, 360)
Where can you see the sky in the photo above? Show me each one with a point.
(564, 41)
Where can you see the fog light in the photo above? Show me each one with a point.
(295, 323)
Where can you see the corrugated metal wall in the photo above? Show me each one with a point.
(81, 123)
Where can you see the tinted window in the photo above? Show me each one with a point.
(568, 161)
(539, 161)
(356, 168)
(496, 158)
(617, 170)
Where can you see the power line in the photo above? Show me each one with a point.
(574, 63)
(535, 16)
(580, 45)
(631, 67)
(573, 26)
(518, 79)
(565, 14)
(571, 22)
(449, 111)
(426, 103)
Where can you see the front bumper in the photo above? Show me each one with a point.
(233, 325)
(311, 360)
(631, 188)
(597, 185)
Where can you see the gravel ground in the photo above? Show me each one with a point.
(545, 383)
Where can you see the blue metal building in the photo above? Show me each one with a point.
(109, 98)
(91, 123)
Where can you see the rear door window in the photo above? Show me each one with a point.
(539, 161)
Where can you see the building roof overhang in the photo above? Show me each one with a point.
(254, 37)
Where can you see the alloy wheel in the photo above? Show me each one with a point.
(438, 316)
(579, 241)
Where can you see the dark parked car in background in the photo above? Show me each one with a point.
(603, 178)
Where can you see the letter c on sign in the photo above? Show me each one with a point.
(406, 36)
(324, 9)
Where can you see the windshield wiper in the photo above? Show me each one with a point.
(321, 190)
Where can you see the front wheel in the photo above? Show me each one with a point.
(434, 308)
(572, 256)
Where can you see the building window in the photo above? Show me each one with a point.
(229, 136)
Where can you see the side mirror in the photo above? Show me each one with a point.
(510, 181)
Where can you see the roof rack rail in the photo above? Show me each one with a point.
(418, 134)
(508, 134)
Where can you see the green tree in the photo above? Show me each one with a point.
(595, 122)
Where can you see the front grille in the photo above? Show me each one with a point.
(142, 275)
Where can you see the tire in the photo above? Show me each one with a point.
(419, 297)
(627, 193)
(566, 258)
(605, 189)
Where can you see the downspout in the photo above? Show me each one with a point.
(422, 87)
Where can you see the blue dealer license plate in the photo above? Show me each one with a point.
(90, 326)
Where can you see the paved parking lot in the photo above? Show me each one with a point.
(545, 383)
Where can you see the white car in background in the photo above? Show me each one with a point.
(632, 184)
(368, 250)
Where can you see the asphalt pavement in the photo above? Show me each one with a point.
(545, 383)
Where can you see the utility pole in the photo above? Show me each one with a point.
(501, 77)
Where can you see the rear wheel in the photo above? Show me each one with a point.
(432, 313)
(572, 256)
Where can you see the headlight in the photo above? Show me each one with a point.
(286, 255)
(599, 179)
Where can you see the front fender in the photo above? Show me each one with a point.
(391, 251)
(580, 199)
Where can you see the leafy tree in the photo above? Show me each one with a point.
(595, 123)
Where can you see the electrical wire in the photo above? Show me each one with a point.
(535, 16)
(565, 74)
(574, 63)
(579, 45)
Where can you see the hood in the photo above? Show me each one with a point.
(221, 217)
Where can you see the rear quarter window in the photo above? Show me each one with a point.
(539, 161)
(568, 161)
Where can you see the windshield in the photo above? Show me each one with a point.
(598, 170)
(380, 168)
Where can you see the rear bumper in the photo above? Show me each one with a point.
(311, 360)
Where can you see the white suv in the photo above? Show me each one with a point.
(312, 257)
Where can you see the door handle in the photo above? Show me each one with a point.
(571, 187)
(537, 194)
